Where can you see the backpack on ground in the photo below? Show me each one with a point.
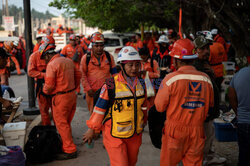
(43, 144)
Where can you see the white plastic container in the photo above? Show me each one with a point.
(14, 133)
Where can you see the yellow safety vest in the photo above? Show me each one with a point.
(126, 114)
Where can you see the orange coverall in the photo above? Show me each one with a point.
(13, 58)
(122, 152)
(69, 51)
(96, 74)
(36, 47)
(36, 69)
(186, 95)
(217, 56)
(61, 79)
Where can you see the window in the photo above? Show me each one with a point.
(108, 42)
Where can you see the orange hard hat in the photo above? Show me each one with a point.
(97, 37)
(183, 49)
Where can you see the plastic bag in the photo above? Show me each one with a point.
(149, 86)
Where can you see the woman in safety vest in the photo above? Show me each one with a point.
(121, 116)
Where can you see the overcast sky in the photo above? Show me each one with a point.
(39, 5)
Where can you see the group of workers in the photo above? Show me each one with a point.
(190, 74)
(16, 59)
(50, 30)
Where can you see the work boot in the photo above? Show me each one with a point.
(66, 156)
(213, 160)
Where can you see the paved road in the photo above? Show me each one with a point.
(148, 156)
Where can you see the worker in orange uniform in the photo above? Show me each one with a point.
(132, 42)
(74, 52)
(61, 80)
(50, 30)
(217, 56)
(37, 69)
(122, 121)
(161, 55)
(187, 97)
(96, 67)
(217, 36)
(149, 41)
(38, 43)
(60, 29)
(139, 43)
(12, 50)
(4, 72)
(151, 66)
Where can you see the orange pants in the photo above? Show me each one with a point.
(182, 142)
(16, 64)
(122, 152)
(44, 106)
(90, 103)
(64, 107)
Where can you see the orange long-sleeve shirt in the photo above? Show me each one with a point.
(186, 95)
(36, 66)
(97, 72)
(69, 52)
(36, 47)
(217, 56)
(152, 72)
(61, 75)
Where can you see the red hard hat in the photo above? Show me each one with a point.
(97, 37)
(49, 40)
(183, 49)
(48, 44)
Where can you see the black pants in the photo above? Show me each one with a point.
(243, 131)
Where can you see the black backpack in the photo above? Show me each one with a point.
(155, 124)
(111, 92)
(107, 55)
(43, 144)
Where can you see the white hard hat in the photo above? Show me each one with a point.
(214, 31)
(207, 34)
(15, 43)
(163, 39)
(128, 53)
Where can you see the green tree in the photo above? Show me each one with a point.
(120, 15)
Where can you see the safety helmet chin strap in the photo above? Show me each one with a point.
(124, 71)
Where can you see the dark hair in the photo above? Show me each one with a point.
(3, 53)
(144, 51)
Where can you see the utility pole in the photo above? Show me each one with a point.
(7, 8)
(3, 11)
(32, 109)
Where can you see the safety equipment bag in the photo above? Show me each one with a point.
(43, 144)
(13, 157)
(150, 89)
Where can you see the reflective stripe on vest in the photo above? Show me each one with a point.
(126, 112)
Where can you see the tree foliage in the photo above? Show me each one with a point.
(230, 16)
(17, 11)
(120, 15)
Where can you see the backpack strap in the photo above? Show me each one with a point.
(88, 59)
(109, 59)
(152, 63)
(107, 55)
